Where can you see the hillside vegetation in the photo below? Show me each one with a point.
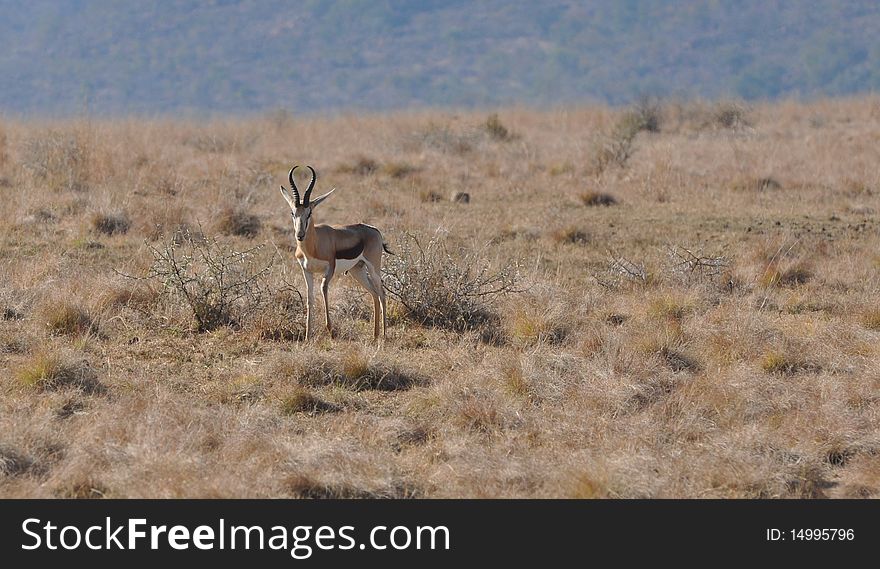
(183, 56)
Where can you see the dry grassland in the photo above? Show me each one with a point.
(689, 307)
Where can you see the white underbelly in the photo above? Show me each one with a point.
(343, 265)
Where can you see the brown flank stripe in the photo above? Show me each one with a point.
(351, 253)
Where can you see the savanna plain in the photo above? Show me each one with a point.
(666, 300)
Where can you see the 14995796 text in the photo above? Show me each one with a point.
(810, 534)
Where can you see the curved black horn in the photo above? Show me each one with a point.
(311, 185)
(293, 185)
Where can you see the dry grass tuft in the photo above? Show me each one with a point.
(669, 346)
(569, 235)
(592, 198)
(137, 295)
(762, 184)
(116, 223)
(245, 388)
(448, 139)
(669, 343)
(66, 318)
(515, 380)
(587, 487)
(871, 318)
(496, 129)
(13, 463)
(355, 370)
(730, 115)
(646, 115)
(399, 169)
(12, 344)
(301, 400)
(668, 306)
(678, 360)
(430, 196)
(237, 221)
(360, 166)
(478, 412)
(58, 160)
(360, 372)
(165, 221)
(460, 197)
(304, 486)
(561, 169)
(355, 365)
(87, 489)
(532, 323)
(10, 313)
(786, 274)
(784, 362)
(47, 371)
(613, 149)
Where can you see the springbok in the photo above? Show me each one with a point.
(325, 250)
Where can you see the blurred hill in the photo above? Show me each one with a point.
(175, 56)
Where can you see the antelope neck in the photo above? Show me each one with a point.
(308, 244)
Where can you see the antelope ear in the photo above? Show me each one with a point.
(318, 200)
(290, 201)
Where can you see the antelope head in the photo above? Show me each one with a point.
(301, 209)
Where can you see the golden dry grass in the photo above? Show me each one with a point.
(616, 371)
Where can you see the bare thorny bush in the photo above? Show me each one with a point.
(214, 285)
(622, 270)
(694, 265)
(689, 266)
(719, 116)
(617, 147)
(445, 287)
(217, 285)
(452, 140)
